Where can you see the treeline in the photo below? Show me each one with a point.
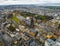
(41, 17)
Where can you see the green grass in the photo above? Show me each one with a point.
(42, 17)
(14, 18)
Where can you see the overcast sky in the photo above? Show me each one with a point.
(7, 2)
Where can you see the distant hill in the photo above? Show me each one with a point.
(50, 6)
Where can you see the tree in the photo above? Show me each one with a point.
(11, 28)
(59, 26)
(36, 33)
